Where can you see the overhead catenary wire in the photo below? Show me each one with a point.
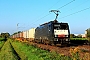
(66, 15)
(60, 8)
(77, 5)
(44, 12)
(57, 9)
(66, 4)
(75, 12)
(48, 13)
(38, 19)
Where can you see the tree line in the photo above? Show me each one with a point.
(88, 33)
(74, 36)
(4, 35)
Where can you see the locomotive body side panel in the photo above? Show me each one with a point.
(44, 33)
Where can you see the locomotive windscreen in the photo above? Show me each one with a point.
(63, 26)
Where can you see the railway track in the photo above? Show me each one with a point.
(79, 42)
(72, 43)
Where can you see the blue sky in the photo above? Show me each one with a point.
(31, 13)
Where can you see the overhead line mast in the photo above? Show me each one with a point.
(56, 12)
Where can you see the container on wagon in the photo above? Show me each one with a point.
(31, 34)
(24, 34)
(21, 34)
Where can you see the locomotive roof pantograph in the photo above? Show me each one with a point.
(56, 12)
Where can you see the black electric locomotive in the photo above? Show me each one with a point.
(53, 32)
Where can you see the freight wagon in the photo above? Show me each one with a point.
(29, 34)
(53, 32)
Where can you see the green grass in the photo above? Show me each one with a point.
(78, 38)
(1, 39)
(7, 53)
(34, 53)
(1, 44)
(28, 52)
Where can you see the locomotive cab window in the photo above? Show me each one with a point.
(57, 26)
(60, 26)
(64, 26)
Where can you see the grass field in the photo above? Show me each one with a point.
(1, 42)
(1, 39)
(78, 38)
(33, 53)
(7, 53)
(24, 51)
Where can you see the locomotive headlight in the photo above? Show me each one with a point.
(55, 31)
(66, 35)
(55, 35)
(66, 39)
